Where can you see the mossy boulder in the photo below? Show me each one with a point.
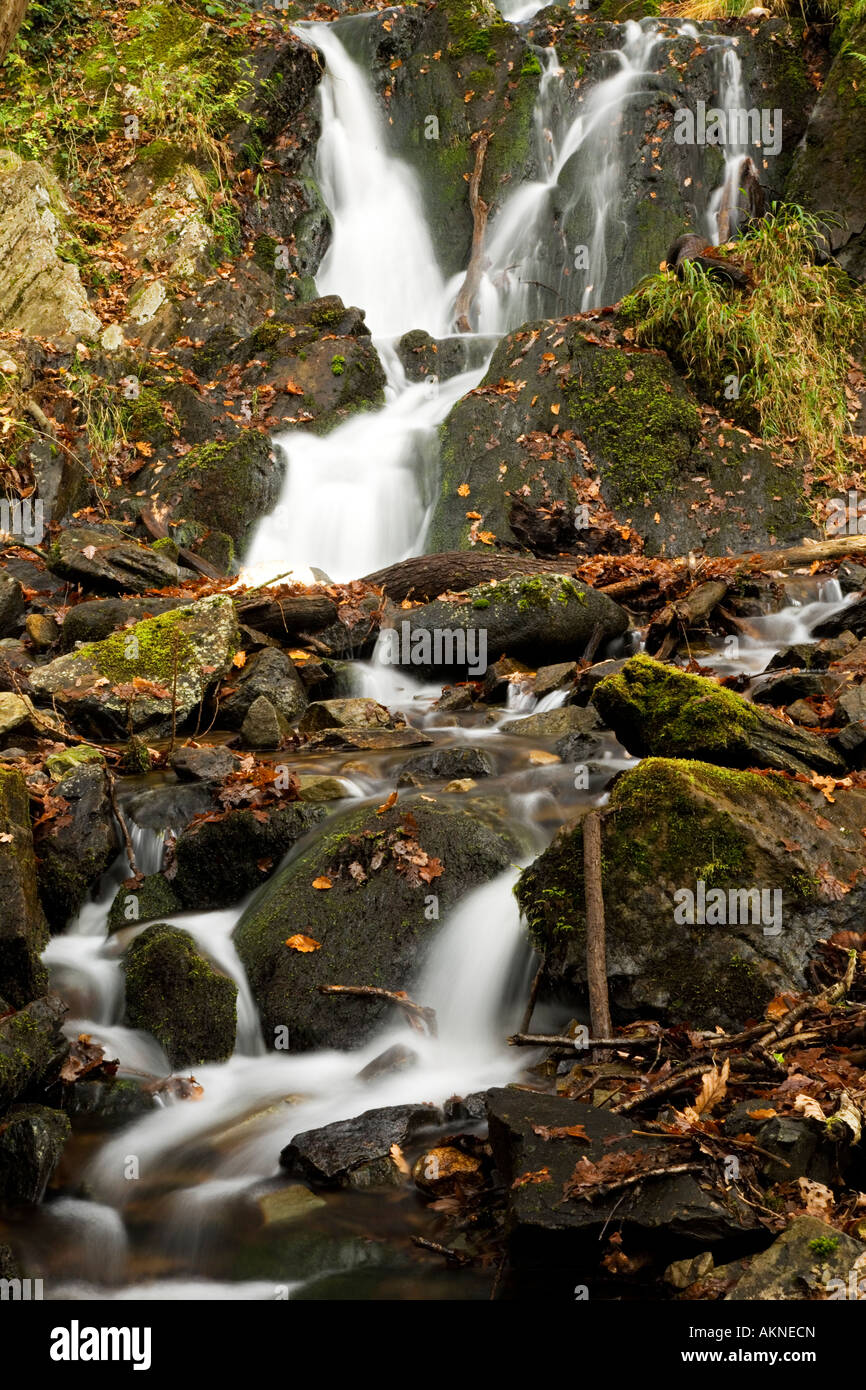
(217, 862)
(176, 994)
(32, 1046)
(32, 1139)
(573, 432)
(658, 709)
(152, 900)
(540, 616)
(76, 847)
(133, 679)
(58, 765)
(374, 924)
(673, 825)
(23, 928)
(98, 618)
(225, 487)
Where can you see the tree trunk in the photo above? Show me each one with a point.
(424, 577)
(11, 14)
(469, 288)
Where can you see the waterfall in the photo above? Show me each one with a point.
(722, 213)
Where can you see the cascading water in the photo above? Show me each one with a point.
(354, 501)
(722, 213)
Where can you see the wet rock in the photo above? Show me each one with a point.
(790, 686)
(454, 697)
(345, 714)
(179, 656)
(218, 862)
(356, 1152)
(98, 618)
(59, 765)
(424, 357)
(851, 577)
(683, 834)
(153, 900)
(556, 723)
(32, 1047)
(32, 1139)
(288, 1204)
(371, 740)
(76, 848)
(656, 709)
(101, 560)
(312, 787)
(446, 1171)
(263, 727)
(203, 762)
(806, 655)
(810, 1259)
(271, 673)
(463, 1109)
(396, 1058)
(547, 615)
(548, 1233)
(174, 992)
(362, 855)
(171, 806)
(576, 747)
(443, 764)
(850, 619)
(40, 293)
(107, 1104)
(559, 677)
(11, 603)
(23, 928)
(803, 714)
(500, 676)
(851, 705)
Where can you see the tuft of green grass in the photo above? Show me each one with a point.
(785, 342)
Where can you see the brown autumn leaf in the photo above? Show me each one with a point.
(302, 943)
(239, 659)
(386, 805)
(322, 882)
(561, 1132)
(713, 1090)
(531, 1179)
(293, 389)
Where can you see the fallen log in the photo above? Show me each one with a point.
(596, 955)
(286, 617)
(417, 1015)
(425, 577)
(665, 630)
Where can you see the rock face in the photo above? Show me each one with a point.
(571, 416)
(39, 292)
(187, 651)
(174, 992)
(529, 616)
(11, 603)
(31, 1142)
(828, 175)
(77, 848)
(23, 928)
(657, 709)
(548, 1234)
(271, 673)
(681, 839)
(372, 923)
(357, 1152)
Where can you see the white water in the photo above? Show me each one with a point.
(732, 97)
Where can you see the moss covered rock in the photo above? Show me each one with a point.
(217, 862)
(103, 561)
(153, 899)
(75, 848)
(658, 709)
(373, 925)
(31, 1142)
(575, 427)
(32, 1047)
(672, 826)
(134, 678)
(23, 928)
(176, 994)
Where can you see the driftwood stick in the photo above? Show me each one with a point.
(603, 1189)
(121, 821)
(567, 1044)
(417, 1014)
(479, 210)
(663, 634)
(530, 1003)
(596, 955)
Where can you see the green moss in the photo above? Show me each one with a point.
(824, 1246)
(174, 993)
(338, 365)
(152, 650)
(673, 710)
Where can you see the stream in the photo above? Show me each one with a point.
(169, 1205)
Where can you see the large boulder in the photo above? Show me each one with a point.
(97, 618)
(357, 1152)
(219, 861)
(23, 928)
(531, 616)
(655, 709)
(77, 846)
(271, 673)
(176, 994)
(137, 677)
(810, 1259)
(99, 559)
(716, 883)
(371, 892)
(577, 441)
(40, 294)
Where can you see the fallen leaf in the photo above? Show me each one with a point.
(302, 943)
(322, 882)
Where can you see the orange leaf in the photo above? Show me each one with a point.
(386, 805)
(303, 943)
(239, 659)
(322, 882)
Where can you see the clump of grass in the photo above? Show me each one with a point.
(846, 12)
(786, 341)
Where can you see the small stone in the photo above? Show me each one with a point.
(288, 1204)
(461, 784)
(682, 1273)
(58, 764)
(42, 630)
(262, 727)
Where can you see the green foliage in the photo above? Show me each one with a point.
(786, 341)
